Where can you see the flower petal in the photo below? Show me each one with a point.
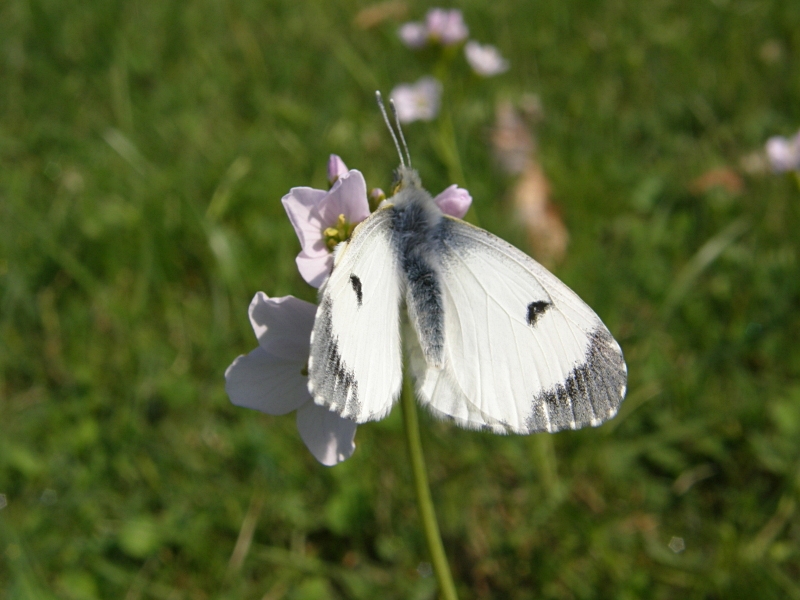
(485, 60)
(314, 269)
(328, 436)
(417, 101)
(446, 26)
(347, 197)
(283, 326)
(413, 34)
(454, 201)
(267, 383)
(783, 154)
(302, 207)
(336, 168)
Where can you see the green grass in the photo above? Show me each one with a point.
(123, 298)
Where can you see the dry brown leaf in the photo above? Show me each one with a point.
(514, 149)
(547, 234)
(375, 14)
(722, 177)
(512, 141)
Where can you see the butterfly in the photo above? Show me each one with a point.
(497, 341)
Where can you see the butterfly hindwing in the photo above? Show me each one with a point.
(522, 352)
(355, 365)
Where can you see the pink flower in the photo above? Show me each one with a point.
(413, 34)
(417, 101)
(784, 154)
(441, 26)
(273, 377)
(446, 26)
(323, 219)
(454, 201)
(485, 60)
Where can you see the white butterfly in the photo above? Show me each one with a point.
(498, 342)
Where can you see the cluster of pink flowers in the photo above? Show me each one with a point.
(442, 26)
(273, 377)
(420, 101)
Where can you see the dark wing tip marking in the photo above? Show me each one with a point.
(330, 381)
(537, 309)
(356, 283)
(589, 395)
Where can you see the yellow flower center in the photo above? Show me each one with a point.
(341, 232)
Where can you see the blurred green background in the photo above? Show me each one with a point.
(126, 472)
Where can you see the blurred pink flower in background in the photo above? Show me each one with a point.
(323, 219)
(414, 34)
(417, 101)
(446, 26)
(783, 153)
(485, 60)
(273, 377)
(441, 26)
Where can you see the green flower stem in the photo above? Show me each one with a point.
(441, 569)
(445, 144)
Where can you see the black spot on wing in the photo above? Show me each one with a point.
(356, 283)
(590, 394)
(536, 310)
(330, 379)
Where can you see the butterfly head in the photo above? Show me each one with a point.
(405, 178)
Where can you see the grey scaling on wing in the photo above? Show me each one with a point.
(591, 393)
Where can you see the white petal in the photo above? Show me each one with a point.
(283, 325)
(301, 204)
(485, 60)
(783, 154)
(264, 382)
(413, 35)
(314, 269)
(328, 436)
(417, 101)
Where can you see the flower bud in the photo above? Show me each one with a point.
(376, 196)
(336, 168)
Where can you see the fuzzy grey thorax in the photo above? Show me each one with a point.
(407, 191)
(416, 225)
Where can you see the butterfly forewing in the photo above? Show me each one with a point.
(355, 366)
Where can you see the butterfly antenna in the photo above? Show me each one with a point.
(400, 130)
(379, 98)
